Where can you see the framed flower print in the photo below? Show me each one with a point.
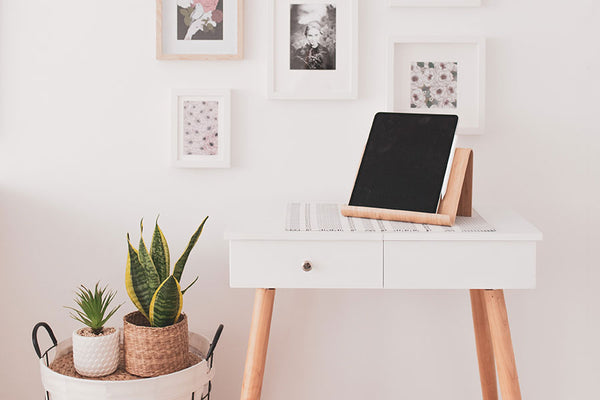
(199, 29)
(201, 128)
(439, 76)
(313, 49)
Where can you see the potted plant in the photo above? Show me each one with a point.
(156, 336)
(95, 348)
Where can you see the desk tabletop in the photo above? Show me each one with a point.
(508, 225)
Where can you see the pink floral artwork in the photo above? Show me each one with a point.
(200, 19)
(201, 128)
(433, 84)
(207, 5)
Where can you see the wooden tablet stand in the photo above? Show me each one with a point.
(456, 201)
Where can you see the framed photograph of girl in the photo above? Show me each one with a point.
(199, 29)
(313, 52)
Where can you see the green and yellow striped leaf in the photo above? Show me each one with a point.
(147, 262)
(180, 265)
(166, 304)
(159, 252)
(134, 273)
(141, 279)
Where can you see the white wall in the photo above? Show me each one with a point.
(84, 136)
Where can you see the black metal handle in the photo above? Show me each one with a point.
(306, 266)
(215, 340)
(34, 338)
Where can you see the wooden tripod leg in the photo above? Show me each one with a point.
(257, 344)
(502, 343)
(483, 341)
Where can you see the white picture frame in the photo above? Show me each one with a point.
(434, 3)
(288, 81)
(466, 53)
(190, 132)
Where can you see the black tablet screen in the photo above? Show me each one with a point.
(404, 162)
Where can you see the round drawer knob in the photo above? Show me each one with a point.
(306, 266)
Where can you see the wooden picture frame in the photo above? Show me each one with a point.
(222, 28)
(467, 55)
(201, 128)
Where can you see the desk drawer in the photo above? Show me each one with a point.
(459, 264)
(278, 264)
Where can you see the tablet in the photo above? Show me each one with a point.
(404, 162)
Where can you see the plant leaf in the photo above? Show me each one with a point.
(93, 307)
(110, 314)
(159, 252)
(166, 303)
(146, 261)
(139, 281)
(180, 265)
(189, 286)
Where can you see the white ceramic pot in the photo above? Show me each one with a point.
(96, 355)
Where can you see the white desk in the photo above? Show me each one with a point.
(266, 257)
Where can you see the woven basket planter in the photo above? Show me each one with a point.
(154, 351)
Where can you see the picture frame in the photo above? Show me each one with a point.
(313, 49)
(201, 131)
(199, 29)
(439, 75)
(434, 3)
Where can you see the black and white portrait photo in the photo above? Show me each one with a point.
(312, 36)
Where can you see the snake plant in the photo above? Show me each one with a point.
(151, 286)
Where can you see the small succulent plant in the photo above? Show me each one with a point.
(151, 285)
(93, 307)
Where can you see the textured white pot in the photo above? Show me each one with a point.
(96, 355)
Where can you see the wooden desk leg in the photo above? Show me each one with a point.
(483, 341)
(257, 344)
(502, 343)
